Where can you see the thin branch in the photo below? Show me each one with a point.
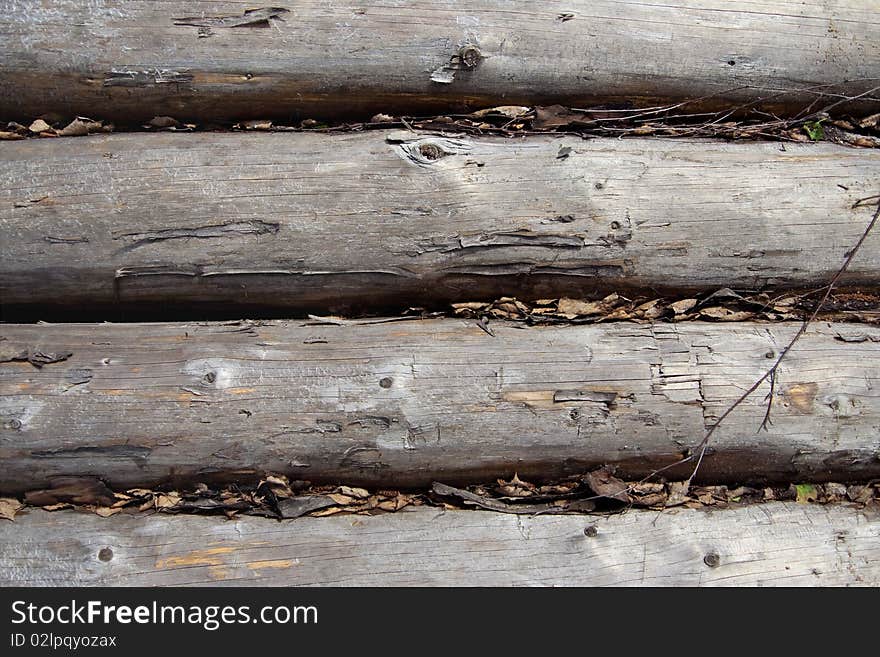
(771, 373)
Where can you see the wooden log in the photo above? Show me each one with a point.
(234, 224)
(774, 544)
(408, 403)
(135, 59)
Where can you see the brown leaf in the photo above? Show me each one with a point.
(647, 487)
(9, 506)
(357, 493)
(39, 126)
(295, 507)
(107, 511)
(327, 512)
(651, 309)
(164, 122)
(470, 305)
(76, 128)
(279, 485)
(57, 507)
(859, 494)
(556, 116)
(510, 111)
(722, 314)
(167, 500)
(575, 308)
(4, 135)
(604, 484)
(256, 125)
(678, 493)
(341, 500)
(681, 307)
(872, 121)
(652, 500)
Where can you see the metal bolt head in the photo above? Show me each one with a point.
(712, 560)
(469, 56)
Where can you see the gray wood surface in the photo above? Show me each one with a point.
(407, 403)
(236, 224)
(774, 544)
(132, 59)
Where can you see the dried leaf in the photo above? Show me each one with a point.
(576, 308)
(722, 314)
(510, 111)
(107, 511)
(556, 116)
(872, 121)
(652, 500)
(295, 507)
(341, 500)
(357, 493)
(678, 491)
(167, 500)
(859, 494)
(604, 484)
(327, 512)
(163, 122)
(279, 485)
(681, 307)
(76, 128)
(256, 125)
(39, 126)
(834, 492)
(9, 506)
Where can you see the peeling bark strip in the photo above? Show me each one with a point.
(145, 78)
(231, 223)
(410, 403)
(778, 543)
(250, 18)
(202, 232)
(351, 59)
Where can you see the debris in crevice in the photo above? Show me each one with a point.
(276, 496)
(612, 120)
(721, 306)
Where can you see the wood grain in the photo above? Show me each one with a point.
(407, 403)
(774, 544)
(174, 226)
(129, 60)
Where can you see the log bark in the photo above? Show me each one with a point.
(407, 403)
(280, 223)
(774, 544)
(134, 59)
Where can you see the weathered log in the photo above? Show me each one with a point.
(132, 60)
(406, 403)
(782, 544)
(184, 224)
